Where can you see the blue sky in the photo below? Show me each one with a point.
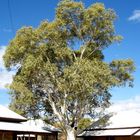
(32, 12)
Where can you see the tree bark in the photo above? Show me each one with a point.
(71, 134)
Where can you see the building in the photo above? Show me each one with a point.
(15, 127)
(124, 125)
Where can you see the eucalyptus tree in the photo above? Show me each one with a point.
(60, 67)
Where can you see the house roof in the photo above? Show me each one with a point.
(40, 123)
(110, 132)
(11, 121)
(124, 119)
(21, 127)
(120, 123)
(8, 115)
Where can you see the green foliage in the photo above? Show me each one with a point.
(60, 65)
(84, 123)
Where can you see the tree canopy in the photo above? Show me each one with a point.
(60, 67)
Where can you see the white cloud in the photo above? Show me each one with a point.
(135, 16)
(5, 76)
(132, 104)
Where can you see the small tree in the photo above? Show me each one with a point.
(60, 65)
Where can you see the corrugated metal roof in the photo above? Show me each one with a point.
(21, 127)
(119, 120)
(124, 119)
(116, 132)
(10, 115)
(42, 124)
(138, 133)
(121, 123)
(11, 121)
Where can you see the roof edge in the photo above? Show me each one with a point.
(6, 119)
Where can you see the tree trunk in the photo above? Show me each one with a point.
(71, 134)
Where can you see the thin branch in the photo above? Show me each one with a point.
(74, 56)
(81, 56)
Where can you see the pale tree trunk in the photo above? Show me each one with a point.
(71, 134)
